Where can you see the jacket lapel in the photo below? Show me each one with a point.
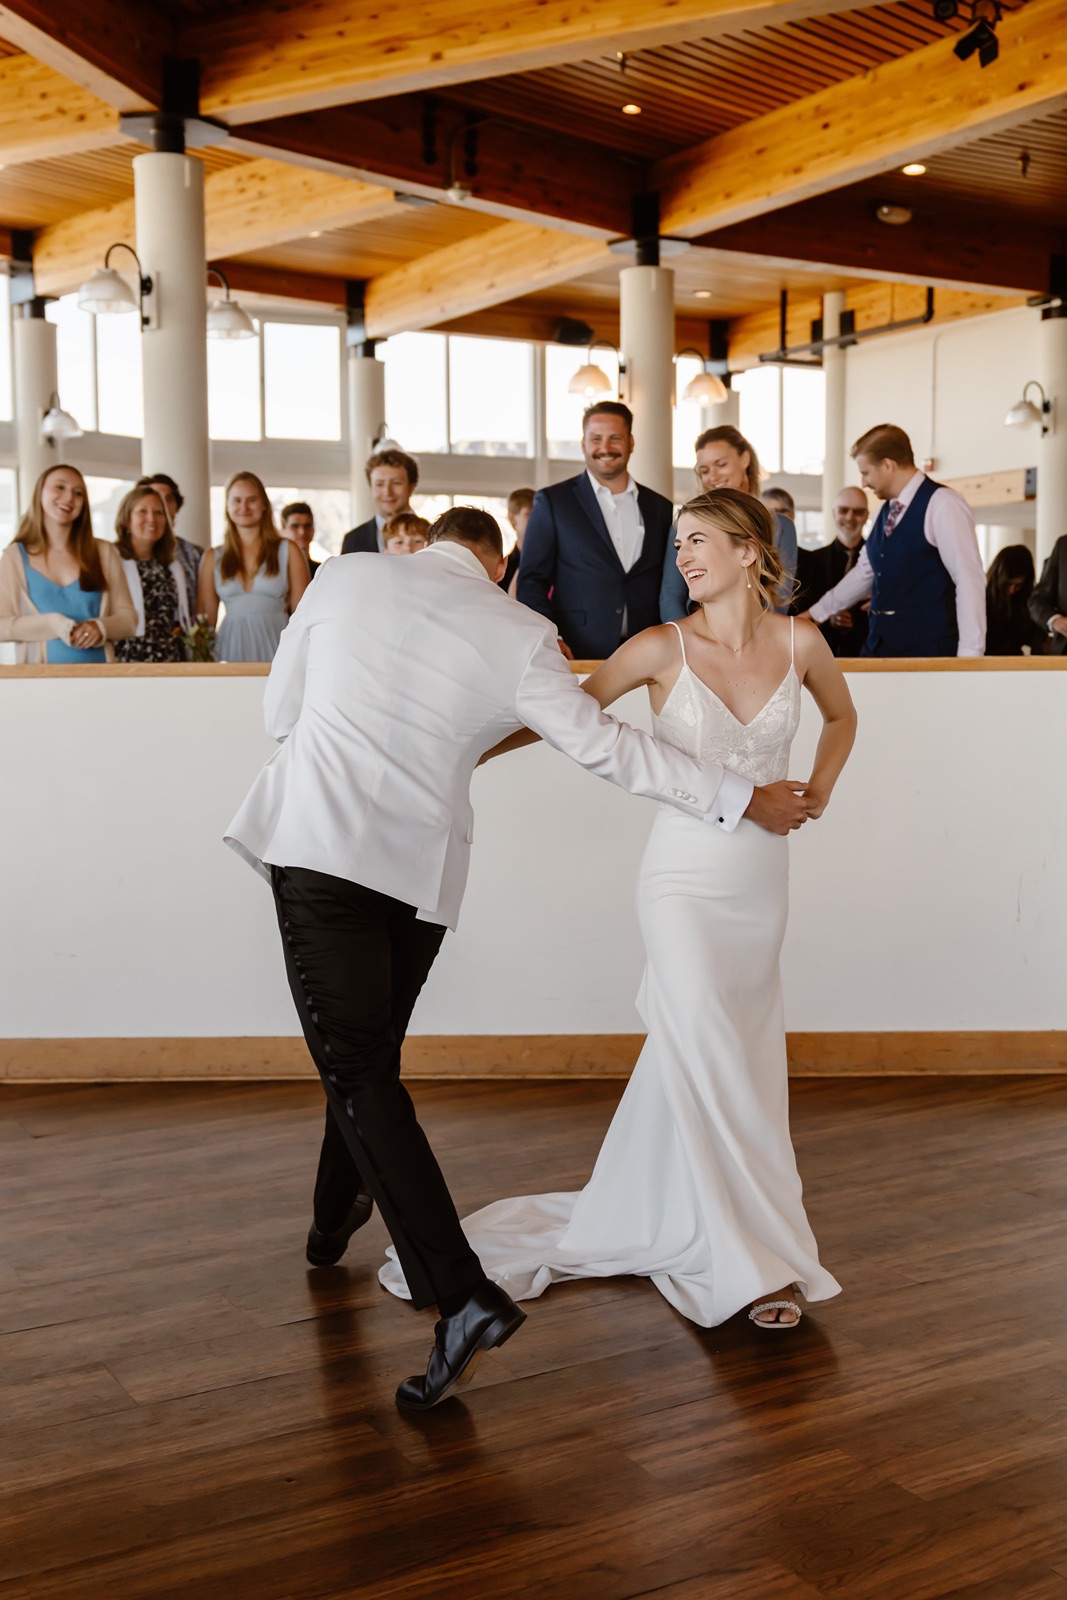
(583, 493)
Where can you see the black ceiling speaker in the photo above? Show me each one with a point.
(945, 10)
(568, 330)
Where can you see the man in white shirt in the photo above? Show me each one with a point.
(390, 684)
(589, 558)
(920, 567)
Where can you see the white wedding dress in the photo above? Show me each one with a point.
(696, 1185)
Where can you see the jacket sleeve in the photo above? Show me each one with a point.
(19, 626)
(537, 564)
(1045, 603)
(284, 694)
(673, 590)
(119, 621)
(551, 702)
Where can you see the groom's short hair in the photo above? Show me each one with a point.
(471, 526)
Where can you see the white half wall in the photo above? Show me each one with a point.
(930, 897)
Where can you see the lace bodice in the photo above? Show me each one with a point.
(695, 720)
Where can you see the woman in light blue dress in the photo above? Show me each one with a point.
(63, 594)
(256, 574)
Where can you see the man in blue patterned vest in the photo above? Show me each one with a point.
(920, 568)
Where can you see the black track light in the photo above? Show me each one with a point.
(981, 38)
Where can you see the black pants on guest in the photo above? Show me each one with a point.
(356, 961)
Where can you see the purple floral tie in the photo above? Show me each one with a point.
(893, 516)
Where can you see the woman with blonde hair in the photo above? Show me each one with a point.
(725, 459)
(63, 594)
(696, 1184)
(146, 542)
(256, 574)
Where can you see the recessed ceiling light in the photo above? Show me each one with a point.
(316, 235)
(701, 294)
(914, 169)
(630, 110)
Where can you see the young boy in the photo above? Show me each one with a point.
(405, 533)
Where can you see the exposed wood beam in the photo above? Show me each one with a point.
(942, 245)
(873, 303)
(516, 258)
(43, 114)
(281, 283)
(915, 106)
(249, 207)
(300, 55)
(523, 174)
(536, 320)
(112, 48)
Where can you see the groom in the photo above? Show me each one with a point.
(392, 680)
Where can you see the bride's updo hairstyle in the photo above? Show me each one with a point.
(747, 521)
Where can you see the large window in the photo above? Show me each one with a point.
(761, 413)
(120, 404)
(301, 380)
(233, 394)
(416, 391)
(76, 358)
(782, 413)
(490, 388)
(689, 418)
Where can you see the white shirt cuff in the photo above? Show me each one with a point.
(731, 802)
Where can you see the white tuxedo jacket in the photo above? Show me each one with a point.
(391, 680)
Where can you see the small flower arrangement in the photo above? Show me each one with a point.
(199, 642)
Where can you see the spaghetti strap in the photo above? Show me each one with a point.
(792, 640)
(681, 641)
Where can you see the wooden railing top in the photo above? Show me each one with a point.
(259, 669)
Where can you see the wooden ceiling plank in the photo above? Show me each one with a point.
(249, 207)
(262, 62)
(911, 107)
(43, 115)
(112, 48)
(520, 173)
(514, 259)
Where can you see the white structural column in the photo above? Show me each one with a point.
(833, 366)
(169, 203)
(1052, 446)
(646, 317)
(35, 380)
(366, 418)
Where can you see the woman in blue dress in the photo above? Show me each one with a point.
(63, 594)
(256, 574)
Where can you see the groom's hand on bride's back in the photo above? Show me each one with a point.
(778, 807)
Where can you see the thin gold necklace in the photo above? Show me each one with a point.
(736, 649)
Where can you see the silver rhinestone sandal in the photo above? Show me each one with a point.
(775, 1305)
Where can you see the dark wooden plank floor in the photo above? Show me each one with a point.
(186, 1411)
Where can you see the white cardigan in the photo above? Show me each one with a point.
(133, 578)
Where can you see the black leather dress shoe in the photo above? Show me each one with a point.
(488, 1319)
(326, 1249)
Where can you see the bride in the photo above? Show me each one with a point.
(696, 1185)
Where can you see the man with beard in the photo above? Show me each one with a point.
(594, 547)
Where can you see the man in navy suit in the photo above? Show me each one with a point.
(392, 475)
(594, 546)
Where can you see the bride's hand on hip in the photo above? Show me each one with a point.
(779, 807)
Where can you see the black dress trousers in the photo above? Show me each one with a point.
(356, 961)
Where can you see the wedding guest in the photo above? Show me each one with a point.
(392, 476)
(1010, 629)
(257, 575)
(1048, 603)
(726, 460)
(188, 553)
(63, 594)
(405, 533)
(145, 541)
(819, 570)
(520, 504)
(920, 568)
(298, 524)
(780, 500)
(594, 545)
